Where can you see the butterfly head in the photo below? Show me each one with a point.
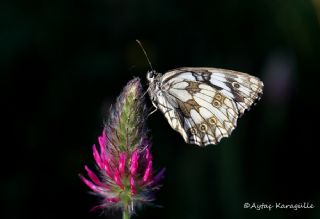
(151, 75)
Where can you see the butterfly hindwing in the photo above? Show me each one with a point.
(203, 104)
(170, 108)
(244, 88)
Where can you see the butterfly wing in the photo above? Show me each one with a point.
(203, 104)
(170, 108)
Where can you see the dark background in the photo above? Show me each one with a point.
(63, 62)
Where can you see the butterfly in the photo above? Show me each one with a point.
(203, 104)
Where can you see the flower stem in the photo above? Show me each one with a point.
(125, 213)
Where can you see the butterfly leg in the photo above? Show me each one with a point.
(145, 93)
(153, 111)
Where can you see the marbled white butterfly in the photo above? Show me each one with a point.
(203, 104)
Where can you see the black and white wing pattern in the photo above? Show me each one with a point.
(203, 104)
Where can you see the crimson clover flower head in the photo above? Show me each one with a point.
(123, 159)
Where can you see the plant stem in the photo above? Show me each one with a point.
(125, 213)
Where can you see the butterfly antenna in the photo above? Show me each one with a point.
(145, 53)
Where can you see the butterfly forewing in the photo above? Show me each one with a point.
(203, 104)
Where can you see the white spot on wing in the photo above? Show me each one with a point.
(228, 103)
(180, 85)
(207, 92)
(219, 77)
(180, 77)
(187, 124)
(206, 138)
(182, 95)
(201, 98)
(205, 113)
(228, 126)
(196, 116)
(207, 87)
(224, 132)
(227, 94)
(218, 134)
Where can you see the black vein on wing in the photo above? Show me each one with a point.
(244, 80)
(213, 113)
(218, 127)
(234, 117)
(204, 120)
(242, 83)
(195, 126)
(216, 108)
(231, 92)
(194, 120)
(164, 106)
(222, 122)
(229, 85)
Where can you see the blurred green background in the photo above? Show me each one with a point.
(63, 62)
